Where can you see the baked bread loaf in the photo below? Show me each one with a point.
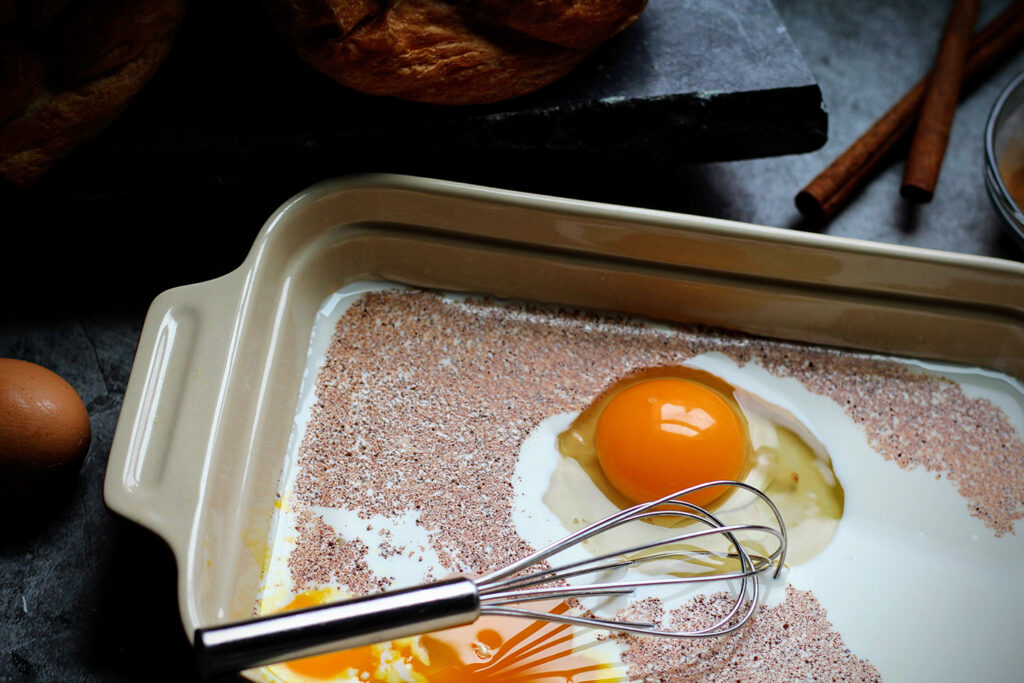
(452, 52)
(68, 68)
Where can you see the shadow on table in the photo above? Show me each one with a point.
(139, 635)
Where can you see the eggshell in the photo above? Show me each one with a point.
(44, 424)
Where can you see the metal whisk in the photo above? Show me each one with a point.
(454, 602)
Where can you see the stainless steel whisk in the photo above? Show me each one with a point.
(454, 602)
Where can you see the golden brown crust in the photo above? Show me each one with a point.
(98, 36)
(58, 122)
(101, 52)
(581, 24)
(449, 52)
(298, 18)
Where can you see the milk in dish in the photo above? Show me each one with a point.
(442, 433)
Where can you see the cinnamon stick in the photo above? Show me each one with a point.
(928, 146)
(832, 188)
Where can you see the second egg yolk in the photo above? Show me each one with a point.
(663, 435)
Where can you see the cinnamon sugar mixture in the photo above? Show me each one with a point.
(424, 401)
(791, 642)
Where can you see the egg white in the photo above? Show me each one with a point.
(554, 495)
(908, 564)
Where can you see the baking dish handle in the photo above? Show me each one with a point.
(159, 455)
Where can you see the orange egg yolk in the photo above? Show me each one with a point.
(491, 649)
(663, 435)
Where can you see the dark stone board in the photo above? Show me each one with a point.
(691, 80)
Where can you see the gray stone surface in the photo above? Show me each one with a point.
(865, 56)
(84, 595)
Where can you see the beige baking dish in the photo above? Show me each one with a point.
(209, 407)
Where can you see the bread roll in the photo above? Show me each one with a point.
(449, 52)
(72, 71)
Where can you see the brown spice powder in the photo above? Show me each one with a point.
(790, 642)
(423, 403)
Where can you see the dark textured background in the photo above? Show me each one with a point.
(87, 596)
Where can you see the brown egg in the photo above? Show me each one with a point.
(44, 425)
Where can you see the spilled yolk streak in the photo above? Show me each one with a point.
(491, 649)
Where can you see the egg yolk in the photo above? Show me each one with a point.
(489, 650)
(328, 665)
(663, 435)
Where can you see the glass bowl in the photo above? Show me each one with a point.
(1004, 157)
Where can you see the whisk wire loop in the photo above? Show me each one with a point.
(509, 586)
(453, 602)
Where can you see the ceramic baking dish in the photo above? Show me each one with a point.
(209, 407)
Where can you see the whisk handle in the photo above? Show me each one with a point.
(339, 626)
